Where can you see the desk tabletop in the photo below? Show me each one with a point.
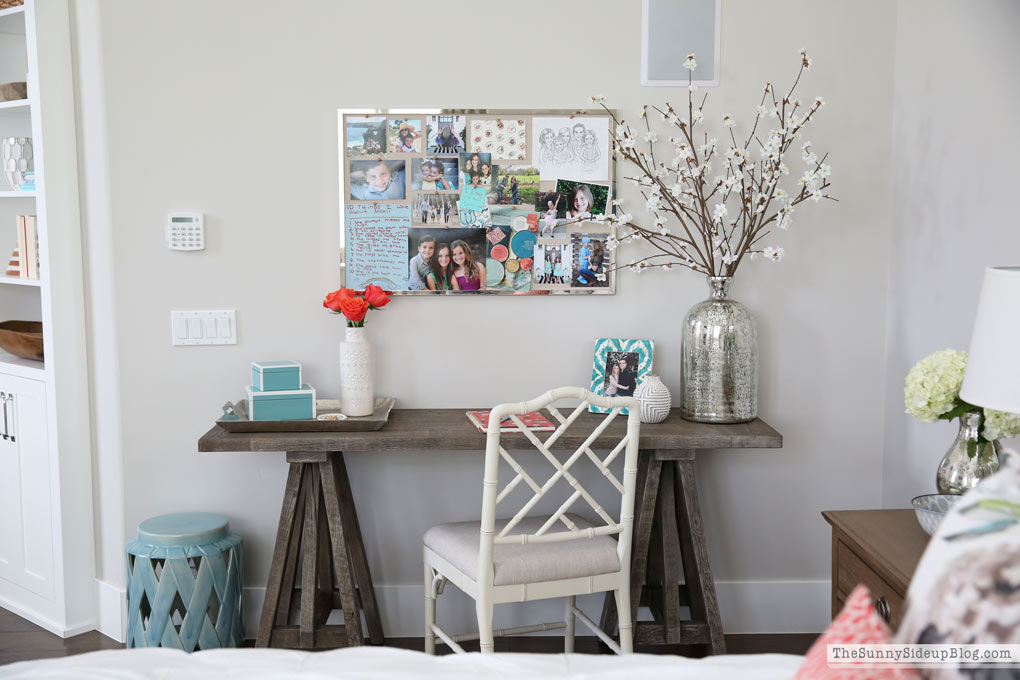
(450, 430)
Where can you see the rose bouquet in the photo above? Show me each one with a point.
(354, 305)
(932, 392)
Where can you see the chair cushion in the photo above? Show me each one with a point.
(457, 543)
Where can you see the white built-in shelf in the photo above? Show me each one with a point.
(18, 281)
(12, 20)
(24, 368)
(17, 194)
(16, 104)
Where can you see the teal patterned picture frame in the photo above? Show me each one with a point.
(634, 357)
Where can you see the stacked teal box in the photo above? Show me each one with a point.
(277, 393)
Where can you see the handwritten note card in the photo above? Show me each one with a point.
(472, 198)
(376, 243)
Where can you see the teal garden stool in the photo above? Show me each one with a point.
(184, 581)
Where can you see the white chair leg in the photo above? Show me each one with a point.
(486, 642)
(430, 613)
(626, 627)
(568, 618)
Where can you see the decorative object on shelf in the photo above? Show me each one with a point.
(276, 375)
(356, 381)
(932, 392)
(8, 4)
(22, 339)
(655, 399)
(185, 583)
(13, 91)
(28, 246)
(931, 508)
(619, 368)
(534, 421)
(17, 158)
(709, 221)
(235, 419)
(719, 347)
(14, 264)
(296, 404)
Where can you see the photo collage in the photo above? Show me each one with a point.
(459, 201)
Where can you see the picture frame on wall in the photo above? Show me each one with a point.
(618, 367)
(535, 184)
(672, 29)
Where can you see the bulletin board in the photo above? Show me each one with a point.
(473, 201)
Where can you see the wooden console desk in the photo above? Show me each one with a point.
(319, 532)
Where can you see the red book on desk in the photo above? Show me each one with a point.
(534, 421)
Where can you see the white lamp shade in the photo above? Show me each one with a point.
(992, 378)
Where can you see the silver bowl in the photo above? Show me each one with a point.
(931, 508)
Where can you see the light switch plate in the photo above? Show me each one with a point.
(215, 327)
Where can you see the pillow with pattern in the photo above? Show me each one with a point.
(858, 623)
(966, 589)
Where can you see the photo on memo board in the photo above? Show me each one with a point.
(427, 165)
(618, 368)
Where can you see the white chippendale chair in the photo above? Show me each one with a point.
(519, 559)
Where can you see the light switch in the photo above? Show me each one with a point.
(216, 327)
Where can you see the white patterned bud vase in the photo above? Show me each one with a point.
(654, 398)
(357, 391)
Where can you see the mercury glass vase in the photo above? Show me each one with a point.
(357, 389)
(720, 359)
(959, 471)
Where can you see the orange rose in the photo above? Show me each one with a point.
(376, 297)
(354, 308)
(332, 301)
(347, 293)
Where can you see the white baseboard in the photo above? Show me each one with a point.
(64, 631)
(746, 607)
(112, 611)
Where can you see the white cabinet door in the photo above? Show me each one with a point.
(26, 527)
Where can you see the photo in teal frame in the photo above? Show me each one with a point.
(633, 361)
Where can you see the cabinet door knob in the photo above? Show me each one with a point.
(882, 608)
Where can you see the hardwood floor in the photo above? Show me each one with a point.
(21, 640)
(24, 641)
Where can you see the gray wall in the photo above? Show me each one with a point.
(954, 185)
(229, 108)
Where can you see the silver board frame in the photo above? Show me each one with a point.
(409, 113)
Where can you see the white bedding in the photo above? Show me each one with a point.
(377, 663)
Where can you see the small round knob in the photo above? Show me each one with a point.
(882, 607)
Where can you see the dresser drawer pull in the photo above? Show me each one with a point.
(882, 607)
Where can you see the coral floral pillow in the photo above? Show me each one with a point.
(857, 623)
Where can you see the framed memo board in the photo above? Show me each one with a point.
(475, 201)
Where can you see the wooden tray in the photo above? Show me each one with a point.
(376, 421)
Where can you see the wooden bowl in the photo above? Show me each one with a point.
(22, 339)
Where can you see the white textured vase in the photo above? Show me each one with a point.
(357, 391)
(654, 398)
(18, 159)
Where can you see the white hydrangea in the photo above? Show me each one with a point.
(933, 384)
(999, 424)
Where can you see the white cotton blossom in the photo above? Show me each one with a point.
(612, 243)
(697, 115)
(645, 181)
(720, 211)
(693, 87)
(643, 112)
(597, 98)
(672, 118)
(728, 121)
(653, 203)
(805, 60)
(650, 136)
(773, 253)
(689, 63)
(762, 111)
(819, 102)
(667, 266)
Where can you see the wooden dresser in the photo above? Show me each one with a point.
(879, 548)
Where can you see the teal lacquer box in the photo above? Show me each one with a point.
(267, 376)
(281, 404)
